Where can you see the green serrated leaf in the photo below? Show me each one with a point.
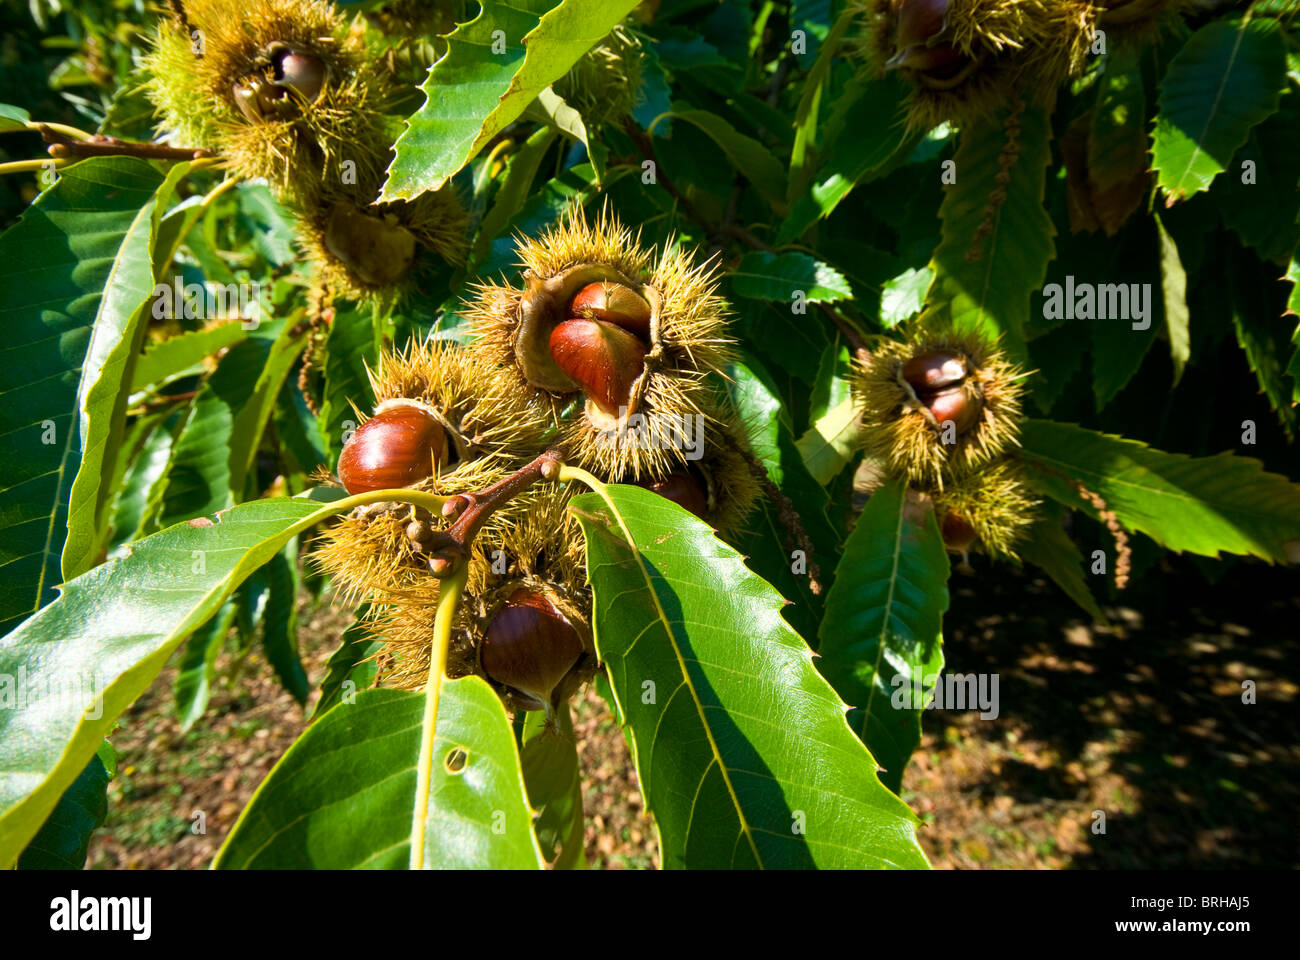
(1226, 79)
(768, 543)
(1202, 505)
(495, 66)
(994, 256)
(782, 277)
(106, 375)
(352, 661)
(280, 624)
(341, 797)
(866, 132)
(349, 350)
(55, 263)
(903, 296)
(830, 443)
(1047, 546)
(138, 489)
(1261, 333)
(708, 677)
(108, 635)
(64, 838)
(881, 639)
(183, 351)
(198, 666)
(514, 190)
(750, 157)
(1259, 198)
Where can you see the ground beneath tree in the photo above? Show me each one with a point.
(1140, 722)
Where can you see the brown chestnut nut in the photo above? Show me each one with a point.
(602, 358)
(958, 534)
(530, 647)
(397, 447)
(936, 378)
(682, 489)
(920, 21)
(302, 72)
(613, 303)
(934, 370)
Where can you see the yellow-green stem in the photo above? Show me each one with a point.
(448, 598)
(62, 128)
(23, 166)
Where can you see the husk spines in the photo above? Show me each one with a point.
(689, 338)
(605, 84)
(896, 428)
(1008, 45)
(995, 500)
(193, 91)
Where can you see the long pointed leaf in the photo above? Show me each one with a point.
(881, 639)
(743, 752)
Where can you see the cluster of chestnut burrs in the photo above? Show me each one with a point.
(605, 358)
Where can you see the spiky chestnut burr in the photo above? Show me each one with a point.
(939, 401)
(964, 57)
(990, 505)
(605, 84)
(282, 89)
(377, 253)
(686, 339)
(385, 548)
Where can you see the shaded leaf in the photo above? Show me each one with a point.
(64, 838)
(108, 635)
(198, 666)
(750, 157)
(1047, 546)
(881, 638)
(783, 277)
(54, 265)
(181, 352)
(351, 667)
(1199, 504)
(357, 766)
(865, 131)
(994, 256)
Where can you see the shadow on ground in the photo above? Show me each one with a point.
(1142, 721)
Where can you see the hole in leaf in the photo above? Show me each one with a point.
(456, 760)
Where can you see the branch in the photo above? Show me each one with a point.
(450, 548)
(63, 145)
